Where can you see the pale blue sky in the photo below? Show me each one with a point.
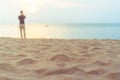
(61, 11)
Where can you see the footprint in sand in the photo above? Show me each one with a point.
(97, 72)
(41, 72)
(72, 70)
(7, 67)
(5, 78)
(113, 76)
(26, 61)
(61, 57)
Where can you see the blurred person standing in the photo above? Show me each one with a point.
(21, 18)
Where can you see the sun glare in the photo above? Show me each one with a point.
(29, 6)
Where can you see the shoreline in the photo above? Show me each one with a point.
(56, 39)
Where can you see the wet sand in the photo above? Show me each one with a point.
(55, 59)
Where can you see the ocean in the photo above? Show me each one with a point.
(64, 31)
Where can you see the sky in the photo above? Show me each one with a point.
(60, 11)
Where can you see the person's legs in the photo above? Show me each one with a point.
(21, 32)
(24, 32)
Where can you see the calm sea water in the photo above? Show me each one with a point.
(64, 31)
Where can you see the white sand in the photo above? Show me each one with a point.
(48, 59)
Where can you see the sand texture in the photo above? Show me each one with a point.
(52, 59)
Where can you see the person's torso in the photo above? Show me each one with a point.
(21, 18)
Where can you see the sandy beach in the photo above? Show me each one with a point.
(57, 59)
